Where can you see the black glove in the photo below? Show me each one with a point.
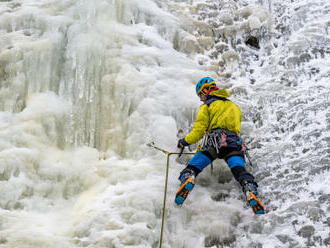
(182, 143)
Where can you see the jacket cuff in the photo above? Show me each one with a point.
(184, 142)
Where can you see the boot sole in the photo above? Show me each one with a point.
(184, 190)
(255, 203)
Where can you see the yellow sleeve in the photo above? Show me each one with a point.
(200, 126)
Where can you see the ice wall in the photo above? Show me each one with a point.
(80, 77)
(111, 61)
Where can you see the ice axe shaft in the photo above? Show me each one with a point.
(152, 144)
(181, 152)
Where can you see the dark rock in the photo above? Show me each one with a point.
(211, 241)
(252, 41)
(280, 175)
(319, 170)
(255, 245)
(262, 175)
(306, 231)
(286, 239)
(3, 241)
(324, 198)
(283, 238)
(327, 241)
(221, 196)
(305, 150)
(328, 221)
(295, 222)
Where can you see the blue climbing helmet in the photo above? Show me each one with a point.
(204, 85)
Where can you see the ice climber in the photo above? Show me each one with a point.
(219, 124)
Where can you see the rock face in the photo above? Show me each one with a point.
(285, 106)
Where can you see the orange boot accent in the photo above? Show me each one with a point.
(255, 203)
(184, 190)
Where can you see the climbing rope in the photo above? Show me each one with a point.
(152, 144)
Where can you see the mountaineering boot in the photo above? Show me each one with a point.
(251, 191)
(187, 179)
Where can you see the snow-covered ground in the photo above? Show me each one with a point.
(85, 84)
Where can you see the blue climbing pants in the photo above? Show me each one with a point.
(235, 163)
(200, 161)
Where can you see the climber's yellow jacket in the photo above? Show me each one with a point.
(216, 113)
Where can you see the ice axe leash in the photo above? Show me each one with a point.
(152, 144)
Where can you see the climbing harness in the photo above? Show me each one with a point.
(218, 138)
(152, 144)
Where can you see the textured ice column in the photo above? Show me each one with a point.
(102, 58)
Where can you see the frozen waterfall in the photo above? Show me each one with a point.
(84, 85)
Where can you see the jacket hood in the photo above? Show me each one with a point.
(220, 93)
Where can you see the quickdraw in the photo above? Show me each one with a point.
(215, 138)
